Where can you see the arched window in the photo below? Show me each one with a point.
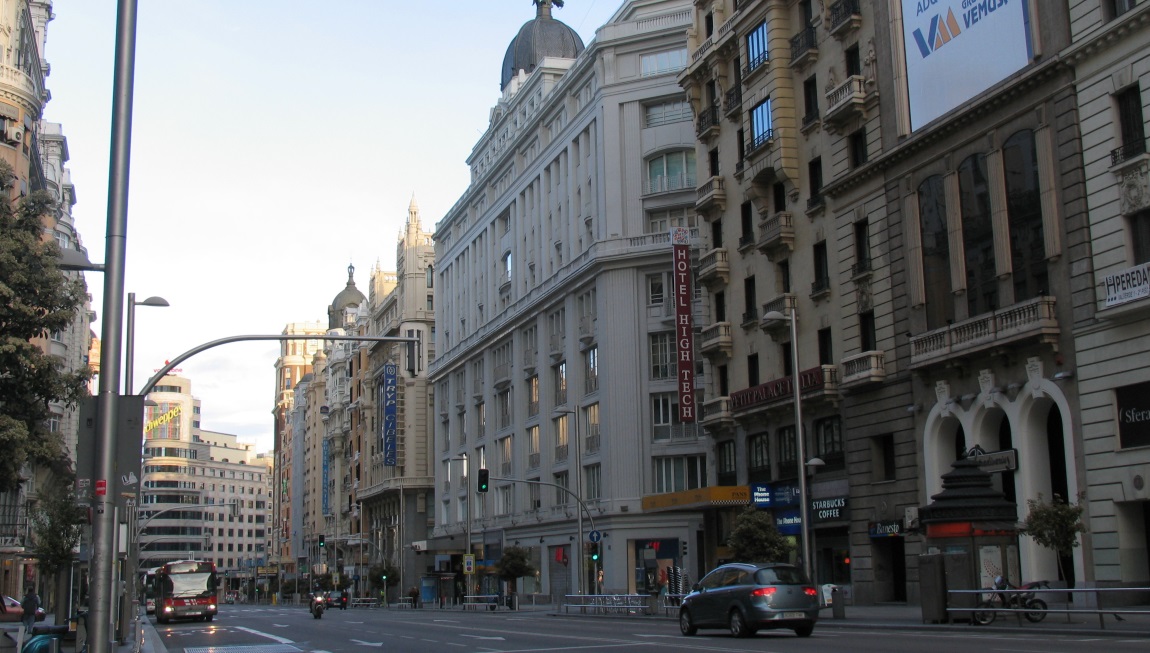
(1024, 212)
(935, 252)
(671, 171)
(977, 236)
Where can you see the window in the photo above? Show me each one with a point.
(822, 274)
(561, 496)
(678, 473)
(1115, 8)
(747, 223)
(661, 63)
(977, 236)
(788, 447)
(725, 460)
(1140, 236)
(750, 303)
(868, 339)
(829, 440)
(505, 459)
(505, 268)
(717, 233)
(853, 61)
(713, 162)
(857, 146)
(664, 415)
(533, 447)
(533, 494)
(760, 124)
(862, 246)
(662, 347)
(593, 483)
(533, 395)
(667, 112)
(935, 252)
(720, 301)
(671, 171)
(559, 373)
(504, 400)
(561, 437)
(810, 100)
(591, 370)
(882, 458)
(656, 293)
(759, 457)
(826, 350)
(1024, 216)
(815, 176)
(660, 222)
(752, 370)
(757, 47)
(481, 419)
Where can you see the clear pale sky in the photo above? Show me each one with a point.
(273, 143)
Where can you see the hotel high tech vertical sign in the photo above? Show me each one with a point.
(390, 376)
(684, 330)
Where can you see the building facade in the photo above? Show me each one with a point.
(555, 367)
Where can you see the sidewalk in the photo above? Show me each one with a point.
(903, 616)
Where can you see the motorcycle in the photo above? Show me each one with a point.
(318, 605)
(1004, 596)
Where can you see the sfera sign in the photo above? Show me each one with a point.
(1133, 415)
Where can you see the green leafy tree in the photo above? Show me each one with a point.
(1055, 525)
(57, 522)
(754, 538)
(515, 564)
(36, 299)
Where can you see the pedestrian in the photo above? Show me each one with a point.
(29, 605)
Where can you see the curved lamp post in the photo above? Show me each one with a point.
(800, 449)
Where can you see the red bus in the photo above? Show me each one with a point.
(186, 589)
(148, 588)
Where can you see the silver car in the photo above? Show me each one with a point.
(747, 597)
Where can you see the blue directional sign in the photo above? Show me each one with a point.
(594, 536)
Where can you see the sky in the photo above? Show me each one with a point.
(274, 142)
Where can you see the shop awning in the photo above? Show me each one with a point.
(719, 496)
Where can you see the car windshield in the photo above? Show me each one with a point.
(780, 576)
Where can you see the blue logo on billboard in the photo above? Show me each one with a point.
(761, 495)
(788, 522)
(390, 404)
(785, 494)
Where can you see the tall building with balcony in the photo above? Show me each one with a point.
(1109, 57)
(396, 493)
(204, 494)
(293, 364)
(555, 364)
(936, 213)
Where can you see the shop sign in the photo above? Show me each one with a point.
(996, 461)
(829, 509)
(785, 494)
(1127, 285)
(761, 495)
(1133, 415)
(887, 528)
(788, 522)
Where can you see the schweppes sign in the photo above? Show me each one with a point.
(172, 414)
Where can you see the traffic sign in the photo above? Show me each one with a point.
(469, 563)
(594, 536)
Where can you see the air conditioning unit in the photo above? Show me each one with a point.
(13, 133)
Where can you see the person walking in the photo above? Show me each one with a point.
(29, 605)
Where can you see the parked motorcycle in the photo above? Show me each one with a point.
(1004, 597)
(318, 605)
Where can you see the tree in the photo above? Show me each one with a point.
(1055, 525)
(36, 300)
(754, 538)
(515, 564)
(57, 522)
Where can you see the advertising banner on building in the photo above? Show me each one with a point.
(956, 49)
(390, 376)
(684, 329)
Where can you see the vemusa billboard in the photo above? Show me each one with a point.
(956, 49)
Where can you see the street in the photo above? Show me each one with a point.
(278, 629)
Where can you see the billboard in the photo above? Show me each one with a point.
(956, 49)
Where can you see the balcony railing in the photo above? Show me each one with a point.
(760, 140)
(815, 201)
(777, 231)
(1127, 151)
(846, 100)
(844, 15)
(669, 183)
(505, 469)
(734, 99)
(592, 442)
(708, 119)
(804, 46)
(711, 194)
(672, 432)
(746, 240)
(784, 304)
(717, 413)
(861, 267)
(533, 460)
(716, 339)
(560, 452)
(714, 266)
(1029, 320)
(862, 369)
(820, 285)
(754, 63)
(750, 316)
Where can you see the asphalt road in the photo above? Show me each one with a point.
(269, 629)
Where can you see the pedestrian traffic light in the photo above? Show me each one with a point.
(226, 572)
(321, 544)
(484, 475)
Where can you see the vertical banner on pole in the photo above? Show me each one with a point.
(390, 404)
(684, 328)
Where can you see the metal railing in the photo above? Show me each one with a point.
(606, 603)
(1020, 611)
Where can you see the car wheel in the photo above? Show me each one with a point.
(805, 631)
(686, 625)
(738, 625)
(210, 617)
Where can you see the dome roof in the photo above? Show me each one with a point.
(349, 297)
(541, 37)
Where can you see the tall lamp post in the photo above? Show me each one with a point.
(130, 336)
(800, 449)
(578, 492)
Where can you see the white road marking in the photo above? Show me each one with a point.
(274, 638)
(363, 643)
(484, 637)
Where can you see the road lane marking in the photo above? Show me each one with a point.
(274, 638)
(363, 643)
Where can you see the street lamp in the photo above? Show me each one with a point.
(578, 491)
(800, 450)
(130, 337)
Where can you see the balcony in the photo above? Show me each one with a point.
(560, 452)
(715, 341)
(804, 47)
(845, 17)
(760, 141)
(820, 287)
(750, 318)
(846, 101)
(714, 268)
(668, 184)
(755, 64)
(711, 195)
(777, 233)
(707, 124)
(717, 414)
(592, 441)
(784, 304)
(1030, 321)
(815, 383)
(863, 369)
(587, 329)
(734, 102)
(533, 460)
(862, 268)
(1126, 152)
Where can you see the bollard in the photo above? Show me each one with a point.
(838, 603)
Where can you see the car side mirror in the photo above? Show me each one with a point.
(696, 587)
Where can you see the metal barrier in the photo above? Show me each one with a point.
(364, 603)
(405, 602)
(1038, 592)
(671, 602)
(606, 603)
(477, 601)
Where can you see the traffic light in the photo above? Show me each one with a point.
(594, 552)
(484, 475)
(384, 578)
(683, 545)
(321, 543)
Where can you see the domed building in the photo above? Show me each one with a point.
(540, 37)
(344, 307)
